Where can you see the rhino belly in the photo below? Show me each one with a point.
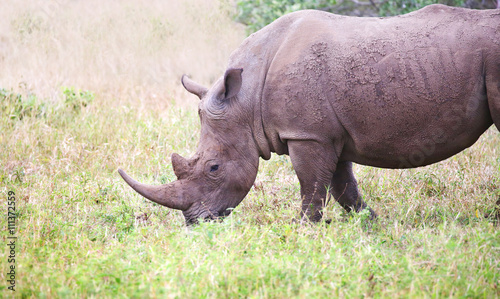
(415, 136)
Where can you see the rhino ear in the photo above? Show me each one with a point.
(232, 83)
(193, 87)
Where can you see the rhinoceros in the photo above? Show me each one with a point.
(329, 91)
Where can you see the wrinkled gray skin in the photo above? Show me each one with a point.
(330, 90)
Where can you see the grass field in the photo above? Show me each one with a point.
(87, 87)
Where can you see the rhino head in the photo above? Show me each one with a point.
(222, 171)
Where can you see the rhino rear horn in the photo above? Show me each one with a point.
(193, 87)
(180, 165)
(169, 195)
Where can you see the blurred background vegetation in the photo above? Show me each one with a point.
(259, 13)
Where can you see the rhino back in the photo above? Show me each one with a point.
(381, 89)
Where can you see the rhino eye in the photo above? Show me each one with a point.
(214, 168)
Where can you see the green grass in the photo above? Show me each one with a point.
(84, 233)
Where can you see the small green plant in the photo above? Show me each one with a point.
(77, 99)
(16, 107)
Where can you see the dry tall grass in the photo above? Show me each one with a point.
(121, 50)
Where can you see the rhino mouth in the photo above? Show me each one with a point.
(207, 215)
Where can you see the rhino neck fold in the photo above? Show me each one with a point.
(259, 135)
(258, 131)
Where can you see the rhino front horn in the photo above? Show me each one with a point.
(169, 195)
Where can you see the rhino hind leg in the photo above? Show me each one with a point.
(344, 189)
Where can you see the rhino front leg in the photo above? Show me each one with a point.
(344, 189)
(314, 164)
